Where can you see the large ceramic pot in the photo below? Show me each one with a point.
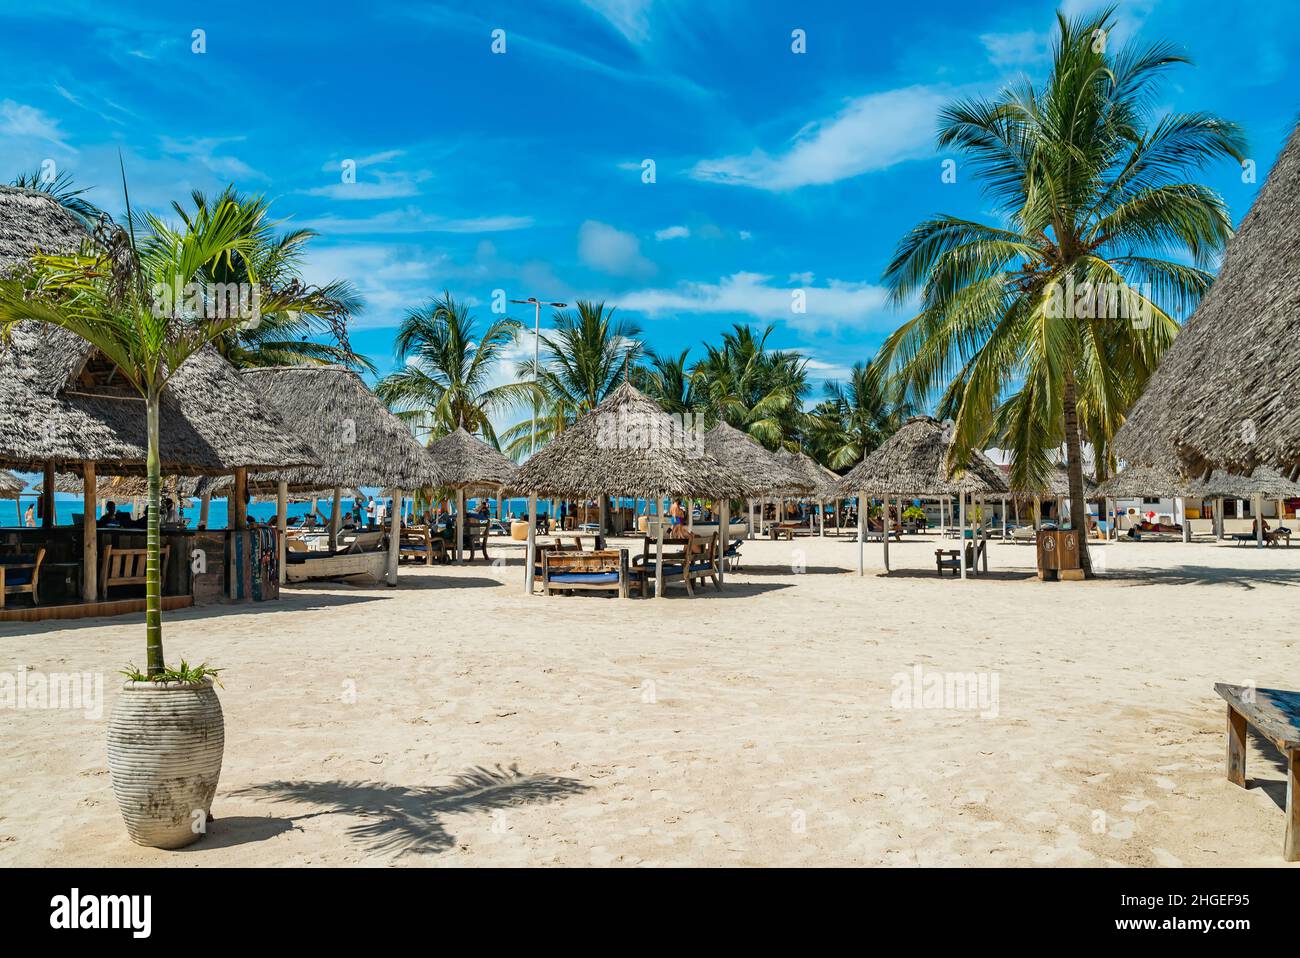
(165, 742)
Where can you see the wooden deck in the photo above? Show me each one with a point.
(86, 610)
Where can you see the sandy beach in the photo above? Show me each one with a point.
(456, 721)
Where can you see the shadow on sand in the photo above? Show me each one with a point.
(1203, 575)
(401, 819)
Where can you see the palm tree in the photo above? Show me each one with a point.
(280, 338)
(67, 195)
(667, 381)
(757, 390)
(1063, 306)
(446, 379)
(581, 361)
(109, 295)
(856, 416)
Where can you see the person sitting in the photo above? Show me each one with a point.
(170, 515)
(110, 516)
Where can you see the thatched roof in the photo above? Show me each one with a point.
(467, 462)
(62, 402)
(761, 472)
(110, 487)
(355, 438)
(10, 485)
(1268, 483)
(1227, 394)
(1162, 481)
(1058, 485)
(30, 222)
(626, 446)
(821, 481)
(914, 462)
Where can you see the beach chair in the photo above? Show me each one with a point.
(21, 573)
(1275, 715)
(127, 567)
(731, 557)
(571, 571)
(476, 538)
(363, 542)
(951, 558)
(686, 561)
(418, 544)
(1024, 536)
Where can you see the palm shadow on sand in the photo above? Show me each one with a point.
(401, 819)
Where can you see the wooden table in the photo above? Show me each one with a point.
(1274, 714)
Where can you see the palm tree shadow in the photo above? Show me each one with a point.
(400, 819)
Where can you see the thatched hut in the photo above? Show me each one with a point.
(32, 221)
(762, 472)
(626, 446)
(469, 464)
(1227, 394)
(355, 439)
(822, 484)
(10, 485)
(915, 462)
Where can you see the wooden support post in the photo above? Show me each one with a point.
(862, 532)
(1257, 507)
(821, 518)
(1236, 747)
(238, 505)
(282, 525)
(1291, 844)
(394, 538)
(724, 539)
(1187, 523)
(460, 527)
(47, 498)
(336, 518)
(659, 546)
(90, 535)
(961, 523)
(530, 557)
(600, 521)
(884, 529)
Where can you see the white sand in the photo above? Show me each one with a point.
(753, 727)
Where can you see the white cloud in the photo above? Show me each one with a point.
(1017, 49)
(414, 220)
(206, 152)
(19, 119)
(836, 303)
(871, 133)
(628, 17)
(672, 232)
(612, 251)
(821, 371)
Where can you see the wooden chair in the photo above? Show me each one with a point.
(951, 558)
(418, 544)
(128, 567)
(567, 571)
(686, 561)
(21, 573)
(476, 537)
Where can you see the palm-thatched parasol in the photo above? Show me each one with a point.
(468, 463)
(1162, 481)
(1057, 485)
(626, 446)
(1227, 394)
(759, 471)
(914, 462)
(10, 485)
(32, 221)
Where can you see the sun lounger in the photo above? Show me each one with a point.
(572, 571)
(1275, 715)
(685, 561)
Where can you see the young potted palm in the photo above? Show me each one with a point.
(148, 307)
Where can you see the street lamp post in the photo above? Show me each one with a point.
(537, 338)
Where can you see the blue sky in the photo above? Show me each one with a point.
(522, 171)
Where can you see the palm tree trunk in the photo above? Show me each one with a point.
(153, 570)
(1074, 470)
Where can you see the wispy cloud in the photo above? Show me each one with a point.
(1024, 48)
(672, 232)
(631, 18)
(873, 132)
(206, 151)
(19, 119)
(612, 251)
(414, 220)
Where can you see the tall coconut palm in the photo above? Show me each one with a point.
(114, 295)
(280, 337)
(856, 416)
(666, 380)
(753, 388)
(1067, 302)
(446, 379)
(581, 361)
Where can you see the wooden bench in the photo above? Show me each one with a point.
(783, 530)
(128, 567)
(21, 573)
(606, 570)
(686, 561)
(951, 558)
(418, 544)
(1274, 714)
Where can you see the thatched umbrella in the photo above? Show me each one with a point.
(468, 463)
(626, 446)
(760, 471)
(10, 485)
(914, 462)
(821, 482)
(1056, 486)
(32, 221)
(355, 438)
(1227, 393)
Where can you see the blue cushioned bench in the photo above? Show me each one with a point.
(571, 570)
